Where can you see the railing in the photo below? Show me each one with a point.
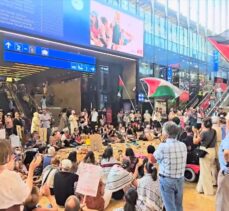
(15, 99)
(204, 98)
(218, 102)
(190, 103)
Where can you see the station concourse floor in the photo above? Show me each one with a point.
(192, 201)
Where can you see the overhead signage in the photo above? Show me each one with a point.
(38, 55)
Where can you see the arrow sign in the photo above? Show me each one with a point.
(8, 44)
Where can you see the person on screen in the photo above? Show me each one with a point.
(116, 32)
(94, 29)
(105, 32)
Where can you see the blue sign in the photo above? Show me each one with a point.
(141, 97)
(42, 56)
(215, 61)
(170, 74)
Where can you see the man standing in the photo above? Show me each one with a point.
(171, 156)
(222, 196)
(45, 121)
(94, 118)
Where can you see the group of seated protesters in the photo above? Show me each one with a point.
(22, 186)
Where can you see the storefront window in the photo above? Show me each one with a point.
(184, 79)
(145, 69)
(160, 71)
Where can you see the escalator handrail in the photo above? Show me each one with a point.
(204, 98)
(190, 103)
(218, 101)
(18, 105)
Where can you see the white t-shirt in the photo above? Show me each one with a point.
(45, 120)
(13, 190)
(94, 116)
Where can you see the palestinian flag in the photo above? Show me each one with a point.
(221, 43)
(120, 86)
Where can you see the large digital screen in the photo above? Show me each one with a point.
(112, 29)
(71, 21)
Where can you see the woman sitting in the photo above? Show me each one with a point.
(149, 197)
(119, 180)
(131, 198)
(98, 202)
(107, 161)
(133, 160)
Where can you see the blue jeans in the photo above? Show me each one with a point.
(172, 193)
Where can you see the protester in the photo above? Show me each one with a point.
(72, 204)
(171, 156)
(14, 191)
(149, 197)
(31, 203)
(107, 162)
(64, 182)
(207, 141)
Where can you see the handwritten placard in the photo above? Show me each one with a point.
(89, 177)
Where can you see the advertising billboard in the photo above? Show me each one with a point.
(112, 29)
(72, 21)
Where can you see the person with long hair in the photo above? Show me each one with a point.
(107, 161)
(148, 188)
(133, 159)
(207, 140)
(131, 198)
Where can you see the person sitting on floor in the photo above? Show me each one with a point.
(64, 182)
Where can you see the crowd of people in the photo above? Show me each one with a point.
(32, 167)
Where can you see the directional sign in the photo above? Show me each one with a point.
(18, 47)
(8, 45)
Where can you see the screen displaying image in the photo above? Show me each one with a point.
(114, 30)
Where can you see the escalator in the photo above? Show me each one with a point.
(4, 101)
(222, 102)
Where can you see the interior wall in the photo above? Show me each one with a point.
(129, 79)
(67, 94)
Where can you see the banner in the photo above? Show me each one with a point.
(89, 177)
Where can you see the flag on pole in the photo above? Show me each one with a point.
(120, 85)
(221, 43)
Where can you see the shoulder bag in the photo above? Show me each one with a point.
(202, 153)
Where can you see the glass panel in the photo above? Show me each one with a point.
(202, 13)
(184, 7)
(132, 7)
(145, 69)
(163, 27)
(173, 4)
(157, 25)
(193, 10)
(124, 4)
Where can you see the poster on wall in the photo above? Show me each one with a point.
(114, 30)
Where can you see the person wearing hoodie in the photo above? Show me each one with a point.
(35, 122)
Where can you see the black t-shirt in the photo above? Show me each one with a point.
(64, 186)
(188, 141)
(208, 138)
(15, 123)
